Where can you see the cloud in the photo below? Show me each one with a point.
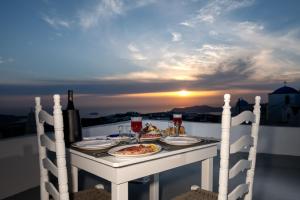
(230, 71)
(272, 53)
(138, 56)
(107, 9)
(133, 48)
(213, 33)
(214, 45)
(209, 18)
(102, 11)
(176, 37)
(56, 22)
(143, 76)
(135, 53)
(185, 23)
(215, 8)
(102, 87)
(8, 60)
(142, 3)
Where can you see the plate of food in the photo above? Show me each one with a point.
(94, 144)
(135, 150)
(150, 136)
(150, 129)
(180, 140)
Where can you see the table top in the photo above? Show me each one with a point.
(121, 162)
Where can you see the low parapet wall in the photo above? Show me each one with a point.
(19, 169)
(272, 139)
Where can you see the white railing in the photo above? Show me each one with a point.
(19, 169)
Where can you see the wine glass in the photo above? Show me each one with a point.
(136, 125)
(177, 120)
(120, 129)
(128, 129)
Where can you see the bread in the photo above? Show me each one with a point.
(171, 131)
(181, 130)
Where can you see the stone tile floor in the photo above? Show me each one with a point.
(277, 178)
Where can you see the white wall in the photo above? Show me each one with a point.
(19, 169)
(272, 139)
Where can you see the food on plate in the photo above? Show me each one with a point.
(171, 131)
(150, 132)
(146, 136)
(140, 149)
(181, 130)
(150, 128)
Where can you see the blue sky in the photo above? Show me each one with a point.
(113, 47)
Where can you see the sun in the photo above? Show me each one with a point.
(183, 93)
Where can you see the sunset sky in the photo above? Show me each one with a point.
(121, 55)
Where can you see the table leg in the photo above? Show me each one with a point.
(119, 191)
(207, 174)
(74, 171)
(154, 187)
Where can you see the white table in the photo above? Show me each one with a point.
(120, 171)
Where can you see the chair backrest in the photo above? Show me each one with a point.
(57, 145)
(244, 189)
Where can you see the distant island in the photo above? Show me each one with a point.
(201, 113)
(197, 109)
(272, 113)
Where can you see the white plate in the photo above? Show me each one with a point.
(113, 151)
(150, 138)
(181, 140)
(121, 137)
(101, 137)
(94, 144)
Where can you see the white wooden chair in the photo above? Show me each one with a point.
(243, 190)
(59, 169)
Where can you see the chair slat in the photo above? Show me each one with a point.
(242, 142)
(52, 190)
(49, 165)
(46, 117)
(239, 167)
(242, 117)
(48, 143)
(238, 192)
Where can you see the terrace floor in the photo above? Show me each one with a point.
(277, 178)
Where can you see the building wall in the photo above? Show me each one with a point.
(277, 107)
(275, 99)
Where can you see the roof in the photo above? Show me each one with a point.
(241, 102)
(285, 90)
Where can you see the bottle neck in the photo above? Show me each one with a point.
(70, 105)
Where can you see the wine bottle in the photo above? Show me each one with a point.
(72, 125)
(70, 105)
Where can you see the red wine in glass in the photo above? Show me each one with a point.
(177, 119)
(136, 124)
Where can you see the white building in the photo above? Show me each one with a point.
(284, 106)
